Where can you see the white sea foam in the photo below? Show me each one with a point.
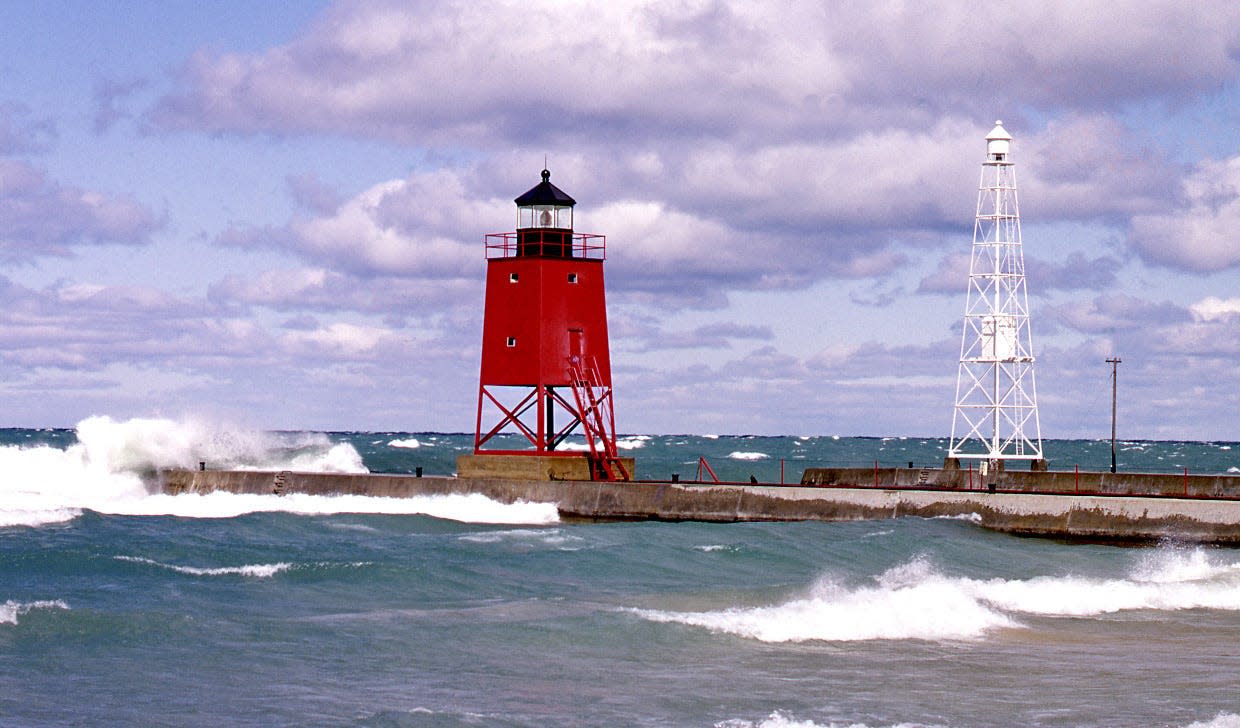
(409, 442)
(915, 601)
(107, 470)
(261, 571)
(624, 443)
(11, 610)
(747, 455)
(779, 719)
(356, 527)
(970, 517)
(1222, 720)
(548, 537)
(470, 508)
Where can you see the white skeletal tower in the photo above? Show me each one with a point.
(996, 416)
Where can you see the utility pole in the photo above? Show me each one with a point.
(1114, 381)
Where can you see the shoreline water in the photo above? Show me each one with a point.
(467, 610)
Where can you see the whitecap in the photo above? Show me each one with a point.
(747, 455)
(548, 537)
(467, 508)
(410, 443)
(11, 610)
(915, 601)
(780, 719)
(909, 602)
(1222, 720)
(970, 517)
(261, 571)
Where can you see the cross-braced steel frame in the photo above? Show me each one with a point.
(996, 411)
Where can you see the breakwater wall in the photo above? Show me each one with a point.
(1092, 516)
(1060, 482)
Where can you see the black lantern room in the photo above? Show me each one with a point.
(545, 220)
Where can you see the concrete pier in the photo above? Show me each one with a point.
(1094, 515)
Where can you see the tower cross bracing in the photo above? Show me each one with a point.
(996, 410)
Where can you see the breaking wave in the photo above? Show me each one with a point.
(1222, 720)
(631, 442)
(916, 601)
(553, 537)
(260, 571)
(10, 611)
(110, 467)
(779, 719)
(743, 455)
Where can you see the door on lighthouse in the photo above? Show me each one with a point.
(576, 344)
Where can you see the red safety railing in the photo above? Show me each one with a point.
(584, 245)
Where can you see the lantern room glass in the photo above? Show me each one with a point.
(545, 216)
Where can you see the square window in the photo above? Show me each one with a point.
(512, 277)
(572, 277)
(512, 341)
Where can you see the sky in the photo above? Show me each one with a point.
(272, 214)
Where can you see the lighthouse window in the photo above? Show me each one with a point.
(512, 341)
(572, 277)
(512, 277)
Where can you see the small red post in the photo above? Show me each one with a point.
(875, 473)
(781, 471)
(1078, 479)
(970, 475)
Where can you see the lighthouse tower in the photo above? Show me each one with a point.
(546, 367)
(996, 413)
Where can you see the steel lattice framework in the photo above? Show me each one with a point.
(996, 412)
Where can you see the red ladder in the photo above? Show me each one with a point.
(598, 422)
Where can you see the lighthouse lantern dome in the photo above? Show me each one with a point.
(545, 206)
(998, 143)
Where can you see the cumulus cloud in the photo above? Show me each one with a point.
(1076, 272)
(41, 217)
(1199, 235)
(1213, 308)
(1091, 167)
(1109, 313)
(710, 336)
(110, 99)
(320, 289)
(311, 193)
(692, 69)
(410, 227)
(698, 133)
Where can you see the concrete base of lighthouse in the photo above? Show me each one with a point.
(570, 466)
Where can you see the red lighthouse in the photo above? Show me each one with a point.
(546, 367)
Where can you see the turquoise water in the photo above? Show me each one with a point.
(122, 608)
(736, 457)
